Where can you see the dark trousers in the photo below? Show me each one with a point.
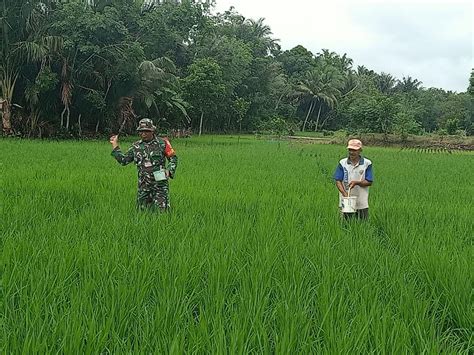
(359, 214)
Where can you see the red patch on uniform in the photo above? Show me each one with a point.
(169, 151)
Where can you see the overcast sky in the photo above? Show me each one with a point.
(431, 41)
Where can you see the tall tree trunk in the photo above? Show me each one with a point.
(6, 42)
(66, 93)
(8, 83)
(278, 102)
(6, 118)
(68, 115)
(79, 124)
(200, 124)
(317, 119)
(34, 120)
(62, 116)
(126, 112)
(310, 110)
(324, 122)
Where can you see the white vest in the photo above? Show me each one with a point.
(356, 173)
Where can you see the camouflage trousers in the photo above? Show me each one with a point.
(154, 196)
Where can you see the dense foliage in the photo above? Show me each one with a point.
(74, 66)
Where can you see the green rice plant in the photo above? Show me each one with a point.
(252, 258)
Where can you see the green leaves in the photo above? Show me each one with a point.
(205, 89)
(372, 113)
(470, 89)
(149, 99)
(322, 87)
(148, 51)
(159, 88)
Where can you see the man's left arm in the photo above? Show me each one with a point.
(172, 158)
(368, 180)
(363, 183)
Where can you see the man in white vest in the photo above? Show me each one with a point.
(354, 175)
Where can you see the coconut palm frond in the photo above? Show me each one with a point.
(165, 63)
(53, 43)
(66, 93)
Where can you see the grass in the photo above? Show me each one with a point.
(253, 257)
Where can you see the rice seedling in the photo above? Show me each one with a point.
(252, 258)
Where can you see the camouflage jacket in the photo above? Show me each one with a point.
(149, 157)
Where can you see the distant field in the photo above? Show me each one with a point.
(253, 257)
(429, 141)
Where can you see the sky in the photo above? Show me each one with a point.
(432, 41)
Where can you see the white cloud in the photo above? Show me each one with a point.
(429, 40)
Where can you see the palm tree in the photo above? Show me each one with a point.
(385, 83)
(66, 91)
(328, 56)
(99, 5)
(159, 84)
(362, 70)
(8, 78)
(11, 24)
(262, 34)
(350, 83)
(320, 87)
(408, 84)
(345, 63)
(259, 29)
(23, 41)
(470, 89)
(280, 88)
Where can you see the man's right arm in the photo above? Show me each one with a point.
(339, 177)
(123, 159)
(340, 187)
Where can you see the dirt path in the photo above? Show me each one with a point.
(421, 143)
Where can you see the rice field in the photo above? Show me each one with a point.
(253, 257)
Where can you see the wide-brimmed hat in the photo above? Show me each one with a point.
(146, 124)
(354, 144)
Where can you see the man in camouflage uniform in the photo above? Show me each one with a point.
(150, 155)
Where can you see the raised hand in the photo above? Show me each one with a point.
(114, 141)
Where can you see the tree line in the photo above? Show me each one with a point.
(77, 67)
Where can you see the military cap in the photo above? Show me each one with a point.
(146, 124)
